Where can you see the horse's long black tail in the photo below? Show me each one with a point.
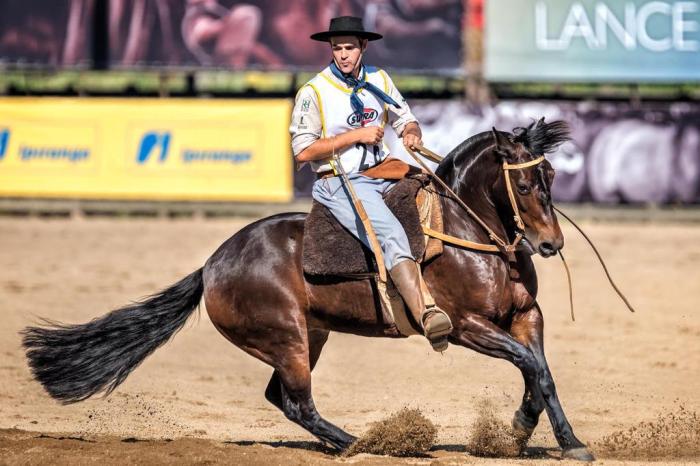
(74, 362)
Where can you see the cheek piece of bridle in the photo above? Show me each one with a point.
(502, 245)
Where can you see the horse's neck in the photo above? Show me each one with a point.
(473, 183)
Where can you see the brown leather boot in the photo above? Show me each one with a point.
(436, 324)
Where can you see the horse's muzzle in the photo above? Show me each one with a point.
(547, 249)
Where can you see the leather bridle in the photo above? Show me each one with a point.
(502, 245)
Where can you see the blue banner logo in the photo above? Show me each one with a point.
(150, 142)
(159, 142)
(4, 141)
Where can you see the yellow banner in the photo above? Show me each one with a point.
(174, 149)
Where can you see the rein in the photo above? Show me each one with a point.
(600, 258)
(502, 245)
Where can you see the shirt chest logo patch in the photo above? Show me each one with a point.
(368, 116)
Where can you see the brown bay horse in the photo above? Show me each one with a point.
(258, 297)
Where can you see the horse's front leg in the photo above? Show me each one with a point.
(527, 328)
(479, 334)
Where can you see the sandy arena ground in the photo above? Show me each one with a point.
(613, 369)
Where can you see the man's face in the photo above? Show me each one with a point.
(347, 51)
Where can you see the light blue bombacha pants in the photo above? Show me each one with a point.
(392, 238)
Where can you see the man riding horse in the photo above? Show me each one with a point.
(342, 111)
(495, 187)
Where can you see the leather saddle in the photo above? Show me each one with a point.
(330, 249)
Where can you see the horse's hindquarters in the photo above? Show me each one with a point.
(253, 288)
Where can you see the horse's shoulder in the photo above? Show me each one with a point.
(523, 283)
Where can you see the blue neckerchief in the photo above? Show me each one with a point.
(361, 83)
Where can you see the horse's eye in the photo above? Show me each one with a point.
(523, 189)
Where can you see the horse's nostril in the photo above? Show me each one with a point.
(546, 249)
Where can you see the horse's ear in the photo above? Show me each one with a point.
(501, 140)
(503, 145)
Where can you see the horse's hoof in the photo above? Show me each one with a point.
(578, 454)
(520, 439)
(522, 430)
(346, 443)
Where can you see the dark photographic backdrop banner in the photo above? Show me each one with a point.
(46, 33)
(274, 34)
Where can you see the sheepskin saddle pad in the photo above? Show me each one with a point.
(330, 249)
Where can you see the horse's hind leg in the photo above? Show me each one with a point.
(281, 340)
(290, 390)
(317, 339)
(479, 334)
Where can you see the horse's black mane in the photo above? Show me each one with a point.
(469, 142)
(448, 164)
(541, 138)
(538, 138)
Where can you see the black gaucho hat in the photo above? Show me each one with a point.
(346, 26)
